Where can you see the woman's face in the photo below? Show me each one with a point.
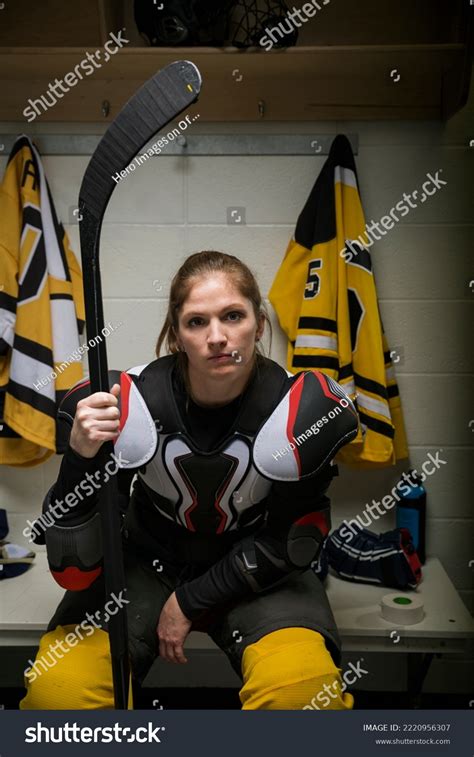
(217, 327)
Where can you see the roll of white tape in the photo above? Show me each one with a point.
(402, 608)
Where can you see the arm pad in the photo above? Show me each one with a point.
(266, 559)
(74, 551)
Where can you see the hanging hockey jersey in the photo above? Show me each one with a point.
(325, 297)
(41, 311)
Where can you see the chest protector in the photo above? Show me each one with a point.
(287, 428)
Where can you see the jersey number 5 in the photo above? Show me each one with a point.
(313, 281)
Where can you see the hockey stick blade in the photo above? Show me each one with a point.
(161, 99)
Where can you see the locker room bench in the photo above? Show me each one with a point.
(27, 602)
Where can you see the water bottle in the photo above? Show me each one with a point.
(411, 512)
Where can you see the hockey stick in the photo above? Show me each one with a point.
(157, 102)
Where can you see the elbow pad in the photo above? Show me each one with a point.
(74, 552)
(306, 538)
(267, 561)
(308, 533)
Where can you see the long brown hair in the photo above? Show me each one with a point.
(202, 264)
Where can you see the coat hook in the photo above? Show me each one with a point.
(105, 108)
(261, 108)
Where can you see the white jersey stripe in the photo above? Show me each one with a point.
(321, 342)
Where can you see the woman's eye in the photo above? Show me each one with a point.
(234, 315)
(195, 322)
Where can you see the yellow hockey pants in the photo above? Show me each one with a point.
(288, 669)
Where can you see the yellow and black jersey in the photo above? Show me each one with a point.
(325, 297)
(41, 311)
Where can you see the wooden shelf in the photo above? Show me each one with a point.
(337, 82)
(335, 72)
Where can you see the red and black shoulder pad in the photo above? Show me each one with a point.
(138, 437)
(310, 424)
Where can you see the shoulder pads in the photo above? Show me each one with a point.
(310, 424)
(138, 438)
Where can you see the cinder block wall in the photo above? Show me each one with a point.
(173, 206)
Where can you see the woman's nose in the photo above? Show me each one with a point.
(216, 333)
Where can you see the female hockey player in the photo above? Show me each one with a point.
(228, 512)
